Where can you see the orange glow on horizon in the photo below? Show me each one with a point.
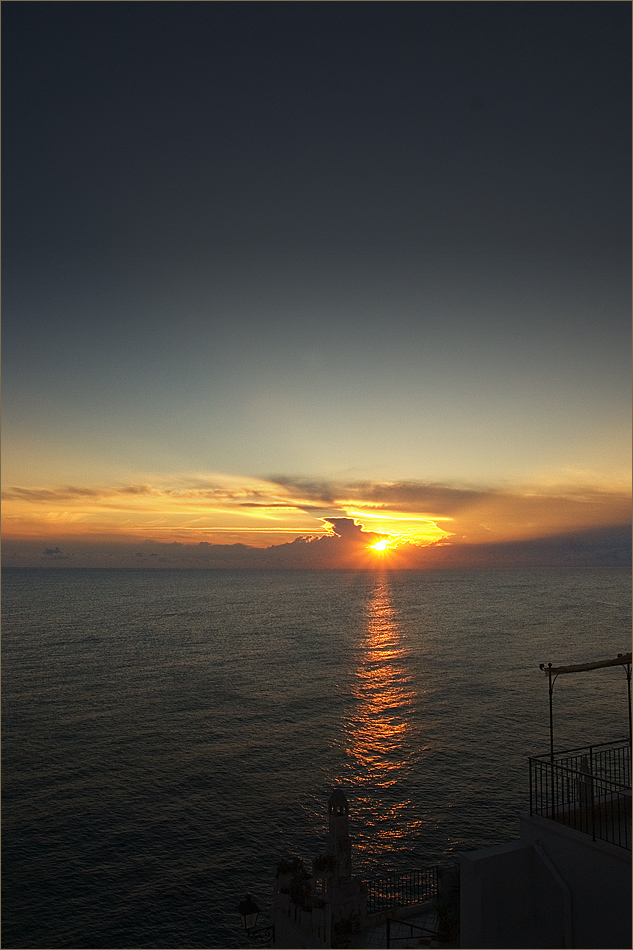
(224, 510)
(406, 526)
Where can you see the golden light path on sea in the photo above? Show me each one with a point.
(383, 727)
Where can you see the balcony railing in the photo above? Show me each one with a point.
(588, 789)
(397, 890)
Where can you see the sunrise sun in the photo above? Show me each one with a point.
(380, 546)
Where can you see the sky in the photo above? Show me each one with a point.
(284, 281)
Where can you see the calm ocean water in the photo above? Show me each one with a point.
(167, 736)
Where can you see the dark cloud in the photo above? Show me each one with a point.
(71, 492)
(410, 496)
(48, 494)
(262, 504)
(421, 497)
(321, 491)
(348, 529)
(605, 547)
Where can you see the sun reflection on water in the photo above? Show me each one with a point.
(382, 689)
(382, 735)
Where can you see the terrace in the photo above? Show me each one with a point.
(542, 890)
(573, 854)
(588, 789)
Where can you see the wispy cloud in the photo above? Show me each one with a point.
(421, 497)
(261, 513)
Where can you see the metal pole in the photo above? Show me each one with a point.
(628, 683)
(551, 711)
(551, 716)
(551, 734)
(593, 803)
(627, 670)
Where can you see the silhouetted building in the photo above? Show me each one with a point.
(328, 906)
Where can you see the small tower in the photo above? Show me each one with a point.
(325, 909)
(338, 843)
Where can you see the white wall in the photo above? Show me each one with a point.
(496, 898)
(598, 875)
(554, 888)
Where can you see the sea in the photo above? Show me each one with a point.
(168, 736)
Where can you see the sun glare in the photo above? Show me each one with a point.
(380, 545)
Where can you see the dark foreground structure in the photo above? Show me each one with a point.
(566, 882)
(334, 908)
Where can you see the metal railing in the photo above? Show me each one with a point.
(398, 890)
(394, 932)
(588, 789)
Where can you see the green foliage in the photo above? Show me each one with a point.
(446, 905)
(447, 913)
(324, 864)
(290, 865)
(299, 884)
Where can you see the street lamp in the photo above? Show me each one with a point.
(248, 911)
